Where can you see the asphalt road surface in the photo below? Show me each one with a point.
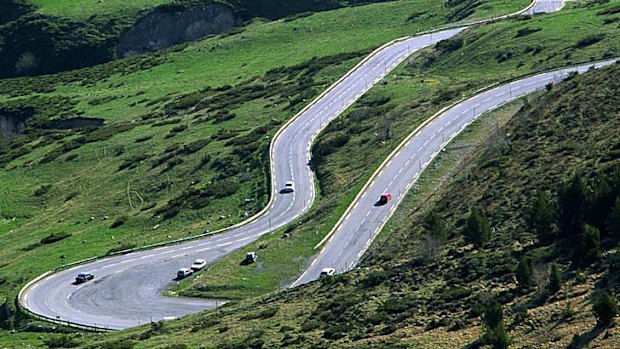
(127, 290)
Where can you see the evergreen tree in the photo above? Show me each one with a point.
(613, 222)
(435, 228)
(524, 271)
(493, 319)
(542, 216)
(555, 279)
(605, 307)
(477, 228)
(589, 250)
(572, 202)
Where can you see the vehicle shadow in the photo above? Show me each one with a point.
(380, 203)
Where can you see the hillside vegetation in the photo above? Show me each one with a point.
(559, 149)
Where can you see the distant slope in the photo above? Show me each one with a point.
(48, 36)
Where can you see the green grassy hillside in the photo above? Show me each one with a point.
(405, 297)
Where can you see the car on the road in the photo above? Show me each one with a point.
(251, 257)
(289, 187)
(83, 277)
(184, 272)
(384, 198)
(198, 264)
(327, 272)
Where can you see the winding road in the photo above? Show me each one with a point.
(128, 289)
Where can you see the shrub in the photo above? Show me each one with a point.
(605, 307)
(477, 228)
(450, 45)
(526, 32)
(122, 247)
(118, 222)
(589, 40)
(62, 341)
(42, 190)
(310, 326)
(55, 237)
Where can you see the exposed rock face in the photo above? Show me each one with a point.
(164, 28)
(12, 121)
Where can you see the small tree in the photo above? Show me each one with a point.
(605, 307)
(542, 216)
(555, 279)
(493, 319)
(524, 272)
(434, 237)
(589, 250)
(477, 228)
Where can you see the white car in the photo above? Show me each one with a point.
(198, 264)
(327, 272)
(183, 273)
(289, 187)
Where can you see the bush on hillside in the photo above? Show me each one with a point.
(477, 228)
(605, 306)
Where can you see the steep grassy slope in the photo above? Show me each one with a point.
(350, 149)
(402, 298)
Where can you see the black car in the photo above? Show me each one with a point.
(83, 277)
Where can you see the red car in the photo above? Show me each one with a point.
(384, 198)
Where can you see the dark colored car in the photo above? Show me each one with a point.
(83, 277)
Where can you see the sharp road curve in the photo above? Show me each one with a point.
(127, 290)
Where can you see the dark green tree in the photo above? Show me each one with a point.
(524, 272)
(555, 279)
(589, 248)
(613, 222)
(542, 217)
(495, 331)
(433, 238)
(477, 227)
(435, 228)
(572, 198)
(605, 306)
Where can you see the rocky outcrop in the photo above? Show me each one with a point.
(12, 121)
(166, 27)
